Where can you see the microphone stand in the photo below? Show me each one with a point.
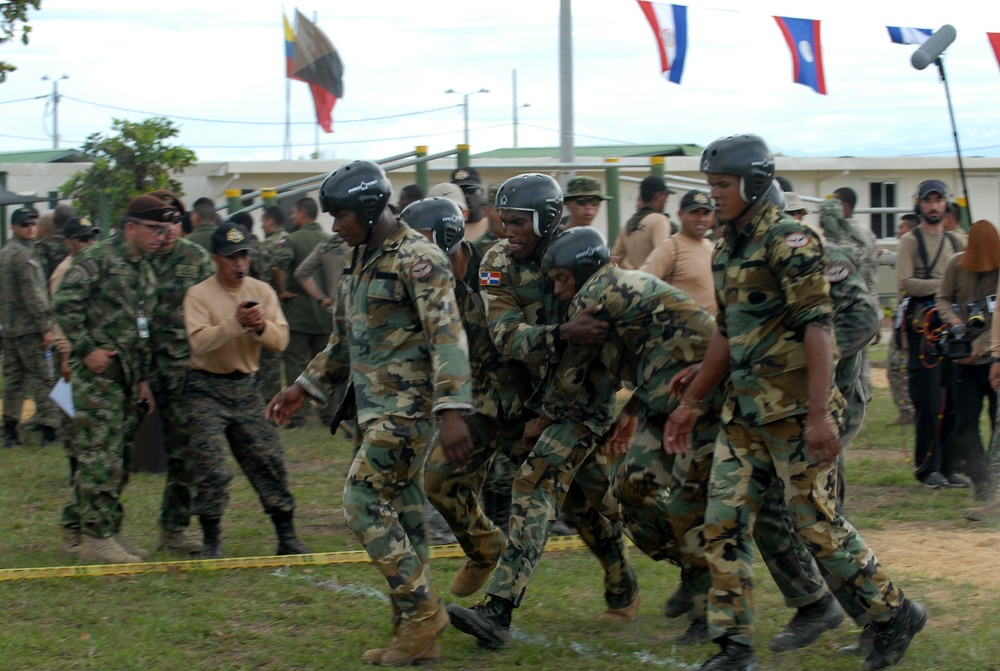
(954, 132)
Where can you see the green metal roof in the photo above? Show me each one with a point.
(605, 151)
(43, 156)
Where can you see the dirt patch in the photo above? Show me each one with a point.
(938, 550)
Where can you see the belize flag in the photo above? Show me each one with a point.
(802, 36)
(669, 24)
(908, 35)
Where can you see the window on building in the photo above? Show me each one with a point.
(883, 194)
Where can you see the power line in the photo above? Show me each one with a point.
(254, 123)
(7, 102)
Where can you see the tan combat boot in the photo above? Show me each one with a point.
(130, 547)
(105, 551)
(71, 541)
(621, 615)
(374, 656)
(416, 635)
(179, 542)
(989, 512)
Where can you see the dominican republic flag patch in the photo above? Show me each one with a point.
(489, 279)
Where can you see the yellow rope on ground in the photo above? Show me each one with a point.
(315, 559)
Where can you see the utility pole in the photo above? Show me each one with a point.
(566, 149)
(465, 107)
(515, 107)
(55, 107)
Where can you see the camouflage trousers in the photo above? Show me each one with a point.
(848, 379)
(746, 462)
(565, 467)
(269, 374)
(384, 505)
(456, 494)
(103, 430)
(895, 370)
(25, 371)
(225, 411)
(169, 390)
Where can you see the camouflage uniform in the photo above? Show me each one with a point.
(308, 321)
(771, 285)
(50, 252)
(98, 305)
(499, 388)
(656, 331)
(269, 374)
(182, 267)
(26, 316)
(565, 468)
(856, 318)
(860, 245)
(397, 335)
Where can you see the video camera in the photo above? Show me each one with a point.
(956, 339)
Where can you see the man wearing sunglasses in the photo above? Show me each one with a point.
(583, 201)
(27, 330)
(104, 306)
(471, 184)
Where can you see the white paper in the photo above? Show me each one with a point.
(62, 394)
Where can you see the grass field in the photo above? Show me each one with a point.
(323, 617)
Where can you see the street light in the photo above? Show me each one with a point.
(55, 107)
(515, 106)
(465, 107)
(518, 107)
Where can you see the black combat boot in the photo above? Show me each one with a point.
(211, 537)
(10, 437)
(734, 657)
(679, 602)
(48, 437)
(489, 622)
(288, 543)
(696, 634)
(893, 636)
(808, 625)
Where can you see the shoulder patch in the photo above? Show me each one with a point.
(421, 269)
(489, 279)
(837, 272)
(796, 240)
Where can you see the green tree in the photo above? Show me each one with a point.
(134, 160)
(13, 12)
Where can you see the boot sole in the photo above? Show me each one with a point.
(468, 622)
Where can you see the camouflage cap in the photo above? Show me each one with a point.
(229, 238)
(22, 215)
(793, 202)
(584, 186)
(695, 200)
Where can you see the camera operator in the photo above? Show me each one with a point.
(970, 284)
(921, 258)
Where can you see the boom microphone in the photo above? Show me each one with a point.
(935, 45)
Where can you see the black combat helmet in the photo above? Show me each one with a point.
(442, 216)
(746, 156)
(533, 192)
(359, 186)
(581, 250)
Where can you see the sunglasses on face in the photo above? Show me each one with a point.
(25, 224)
(157, 231)
(593, 201)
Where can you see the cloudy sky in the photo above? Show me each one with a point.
(207, 65)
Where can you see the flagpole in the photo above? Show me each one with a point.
(286, 151)
(316, 127)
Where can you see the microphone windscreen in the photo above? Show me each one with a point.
(933, 47)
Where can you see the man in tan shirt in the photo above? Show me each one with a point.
(647, 228)
(228, 318)
(685, 258)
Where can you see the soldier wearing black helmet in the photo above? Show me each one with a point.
(526, 323)
(397, 335)
(774, 352)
